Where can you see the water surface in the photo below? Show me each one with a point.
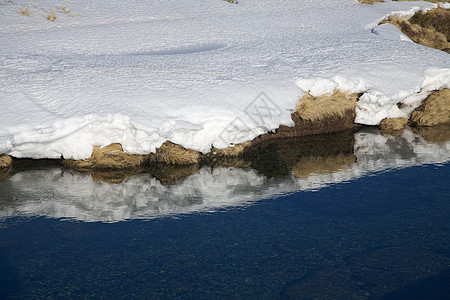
(361, 216)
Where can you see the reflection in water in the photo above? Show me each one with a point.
(62, 193)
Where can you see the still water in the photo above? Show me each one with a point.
(346, 216)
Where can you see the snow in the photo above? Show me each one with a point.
(192, 72)
(67, 194)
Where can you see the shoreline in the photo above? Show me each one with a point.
(315, 151)
(310, 119)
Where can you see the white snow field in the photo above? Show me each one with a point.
(60, 193)
(143, 72)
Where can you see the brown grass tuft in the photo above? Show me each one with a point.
(173, 154)
(322, 165)
(435, 110)
(393, 124)
(52, 15)
(316, 109)
(437, 18)
(430, 29)
(432, 1)
(5, 166)
(111, 157)
(64, 10)
(370, 1)
(236, 150)
(5, 161)
(24, 11)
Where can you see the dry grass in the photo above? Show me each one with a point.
(431, 29)
(24, 11)
(173, 154)
(370, 1)
(5, 166)
(322, 165)
(64, 10)
(316, 109)
(52, 15)
(393, 124)
(432, 1)
(435, 110)
(437, 18)
(5, 161)
(236, 150)
(111, 157)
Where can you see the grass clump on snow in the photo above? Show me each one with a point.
(5, 161)
(336, 105)
(437, 18)
(430, 29)
(52, 16)
(393, 126)
(173, 154)
(111, 157)
(24, 11)
(432, 1)
(64, 10)
(435, 110)
(5, 166)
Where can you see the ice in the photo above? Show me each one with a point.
(186, 71)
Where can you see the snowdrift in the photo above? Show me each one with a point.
(199, 74)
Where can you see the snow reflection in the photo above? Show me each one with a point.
(66, 194)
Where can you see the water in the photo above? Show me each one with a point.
(366, 218)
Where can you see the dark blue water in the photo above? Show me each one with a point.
(384, 236)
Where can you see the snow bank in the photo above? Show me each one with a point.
(192, 72)
(62, 193)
